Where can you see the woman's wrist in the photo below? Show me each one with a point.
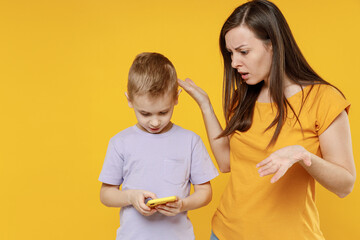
(306, 157)
(206, 107)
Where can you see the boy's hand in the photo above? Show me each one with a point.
(171, 209)
(137, 199)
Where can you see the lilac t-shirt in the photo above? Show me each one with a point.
(165, 164)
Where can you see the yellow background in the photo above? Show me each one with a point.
(63, 72)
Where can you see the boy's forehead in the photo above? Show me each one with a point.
(147, 102)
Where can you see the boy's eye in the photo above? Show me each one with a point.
(163, 113)
(145, 114)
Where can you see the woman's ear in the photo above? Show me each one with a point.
(128, 100)
(269, 46)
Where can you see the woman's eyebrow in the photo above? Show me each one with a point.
(237, 48)
(241, 46)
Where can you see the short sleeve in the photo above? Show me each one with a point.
(112, 171)
(330, 103)
(202, 168)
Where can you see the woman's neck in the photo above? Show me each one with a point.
(290, 88)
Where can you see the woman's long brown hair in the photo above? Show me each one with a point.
(269, 25)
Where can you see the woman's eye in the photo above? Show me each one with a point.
(244, 52)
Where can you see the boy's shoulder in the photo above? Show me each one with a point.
(186, 136)
(184, 131)
(123, 134)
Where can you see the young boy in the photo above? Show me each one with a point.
(155, 159)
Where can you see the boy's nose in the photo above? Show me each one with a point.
(154, 123)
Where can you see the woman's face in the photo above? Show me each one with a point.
(249, 55)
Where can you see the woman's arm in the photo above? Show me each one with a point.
(201, 197)
(335, 170)
(219, 146)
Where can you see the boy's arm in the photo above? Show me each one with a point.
(201, 197)
(112, 196)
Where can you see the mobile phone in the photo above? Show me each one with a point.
(154, 202)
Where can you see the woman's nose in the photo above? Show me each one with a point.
(236, 61)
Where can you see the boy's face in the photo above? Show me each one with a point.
(153, 113)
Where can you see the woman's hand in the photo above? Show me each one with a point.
(199, 95)
(281, 160)
(219, 146)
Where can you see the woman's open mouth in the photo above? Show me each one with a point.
(244, 75)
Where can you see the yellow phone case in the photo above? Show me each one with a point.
(159, 201)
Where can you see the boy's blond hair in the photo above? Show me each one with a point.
(152, 73)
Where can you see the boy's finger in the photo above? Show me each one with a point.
(173, 204)
(143, 206)
(150, 195)
(166, 213)
(163, 207)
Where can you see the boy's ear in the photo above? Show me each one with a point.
(128, 100)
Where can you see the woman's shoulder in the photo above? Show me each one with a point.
(319, 91)
(313, 96)
(322, 97)
(293, 90)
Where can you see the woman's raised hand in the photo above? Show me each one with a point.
(219, 146)
(199, 95)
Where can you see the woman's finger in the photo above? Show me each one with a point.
(188, 80)
(271, 170)
(281, 172)
(266, 167)
(264, 162)
(186, 86)
(307, 159)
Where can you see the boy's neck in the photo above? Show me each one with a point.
(166, 129)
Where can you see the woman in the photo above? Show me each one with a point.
(285, 128)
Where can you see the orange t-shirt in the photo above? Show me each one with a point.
(252, 208)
